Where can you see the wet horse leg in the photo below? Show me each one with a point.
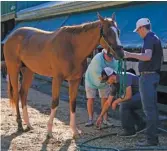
(26, 83)
(13, 71)
(56, 84)
(73, 90)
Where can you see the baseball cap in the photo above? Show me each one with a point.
(141, 22)
(108, 54)
(106, 72)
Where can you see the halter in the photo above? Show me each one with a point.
(111, 49)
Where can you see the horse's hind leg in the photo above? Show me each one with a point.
(27, 76)
(13, 72)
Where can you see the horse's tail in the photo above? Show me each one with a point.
(13, 67)
(3, 69)
(10, 92)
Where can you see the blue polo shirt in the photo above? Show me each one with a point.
(94, 70)
(151, 41)
(131, 80)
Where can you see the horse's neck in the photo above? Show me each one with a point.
(87, 42)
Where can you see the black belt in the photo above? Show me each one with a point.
(147, 72)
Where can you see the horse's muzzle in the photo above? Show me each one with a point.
(119, 47)
(119, 51)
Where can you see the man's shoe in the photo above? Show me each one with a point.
(89, 123)
(141, 128)
(146, 143)
(125, 133)
(107, 123)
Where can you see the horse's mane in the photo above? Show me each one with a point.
(80, 28)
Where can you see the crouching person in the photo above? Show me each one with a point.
(130, 120)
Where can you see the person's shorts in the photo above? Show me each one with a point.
(91, 93)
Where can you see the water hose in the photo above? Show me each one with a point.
(84, 147)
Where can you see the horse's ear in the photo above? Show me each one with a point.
(113, 17)
(100, 18)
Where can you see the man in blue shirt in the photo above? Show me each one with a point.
(149, 67)
(128, 104)
(92, 82)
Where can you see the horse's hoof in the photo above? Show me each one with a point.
(29, 128)
(49, 136)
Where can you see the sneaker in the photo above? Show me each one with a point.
(89, 123)
(127, 134)
(107, 123)
(145, 143)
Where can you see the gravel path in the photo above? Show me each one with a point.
(39, 109)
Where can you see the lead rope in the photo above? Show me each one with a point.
(123, 78)
(120, 71)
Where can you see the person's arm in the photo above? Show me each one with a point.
(140, 56)
(148, 51)
(106, 105)
(104, 110)
(128, 96)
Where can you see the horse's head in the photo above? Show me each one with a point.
(109, 36)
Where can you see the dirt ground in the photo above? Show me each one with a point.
(35, 140)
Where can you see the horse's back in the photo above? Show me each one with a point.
(28, 38)
(30, 29)
(25, 32)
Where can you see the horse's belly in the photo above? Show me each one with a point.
(38, 65)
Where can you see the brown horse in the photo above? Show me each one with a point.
(60, 54)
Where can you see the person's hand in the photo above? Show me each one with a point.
(99, 122)
(114, 105)
(127, 54)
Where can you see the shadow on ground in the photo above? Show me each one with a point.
(7, 139)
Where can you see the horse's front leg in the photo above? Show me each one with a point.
(73, 90)
(56, 84)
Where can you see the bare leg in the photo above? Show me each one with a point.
(73, 90)
(26, 83)
(56, 83)
(103, 100)
(90, 107)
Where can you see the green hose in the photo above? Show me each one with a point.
(83, 147)
(123, 78)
